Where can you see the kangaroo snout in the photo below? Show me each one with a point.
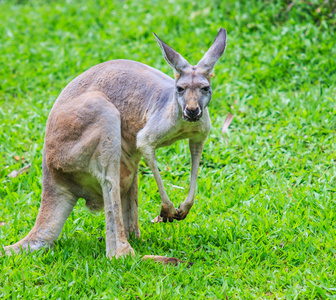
(192, 114)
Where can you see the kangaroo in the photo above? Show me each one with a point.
(101, 125)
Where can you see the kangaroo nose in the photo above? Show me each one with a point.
(192, 113)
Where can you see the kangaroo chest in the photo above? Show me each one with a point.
(184, 131)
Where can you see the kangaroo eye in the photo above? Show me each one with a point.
(205, 89)
(179, 89)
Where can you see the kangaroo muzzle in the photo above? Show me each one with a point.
(192, 114)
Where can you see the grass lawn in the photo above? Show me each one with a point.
(264, 220)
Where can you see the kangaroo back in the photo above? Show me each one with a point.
(136, 90)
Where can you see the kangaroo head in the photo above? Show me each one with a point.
(192, 84)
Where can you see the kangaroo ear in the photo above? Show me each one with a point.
(173, 58)
(216, 50)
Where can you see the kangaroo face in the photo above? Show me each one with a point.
(192, 87)
(193, 94)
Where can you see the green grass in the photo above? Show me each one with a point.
(265, 211)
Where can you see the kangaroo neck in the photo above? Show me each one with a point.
(163, 105)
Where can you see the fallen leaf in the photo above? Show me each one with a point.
(227, 122)
(157, 219)
(17, 158)
(167, 260)
(197, 249)
(15, 173)
(281, 245)
(289, 7)
(177, 187)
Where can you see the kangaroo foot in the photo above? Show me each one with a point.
(123, 249)
(24, 246)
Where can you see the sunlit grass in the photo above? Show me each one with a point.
(265, 210)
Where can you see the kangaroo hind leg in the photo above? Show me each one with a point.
(56, 205)
(105, 166)
(130, 208)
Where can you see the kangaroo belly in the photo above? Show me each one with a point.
(86, 186)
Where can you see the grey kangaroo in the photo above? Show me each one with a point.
(101, 125)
